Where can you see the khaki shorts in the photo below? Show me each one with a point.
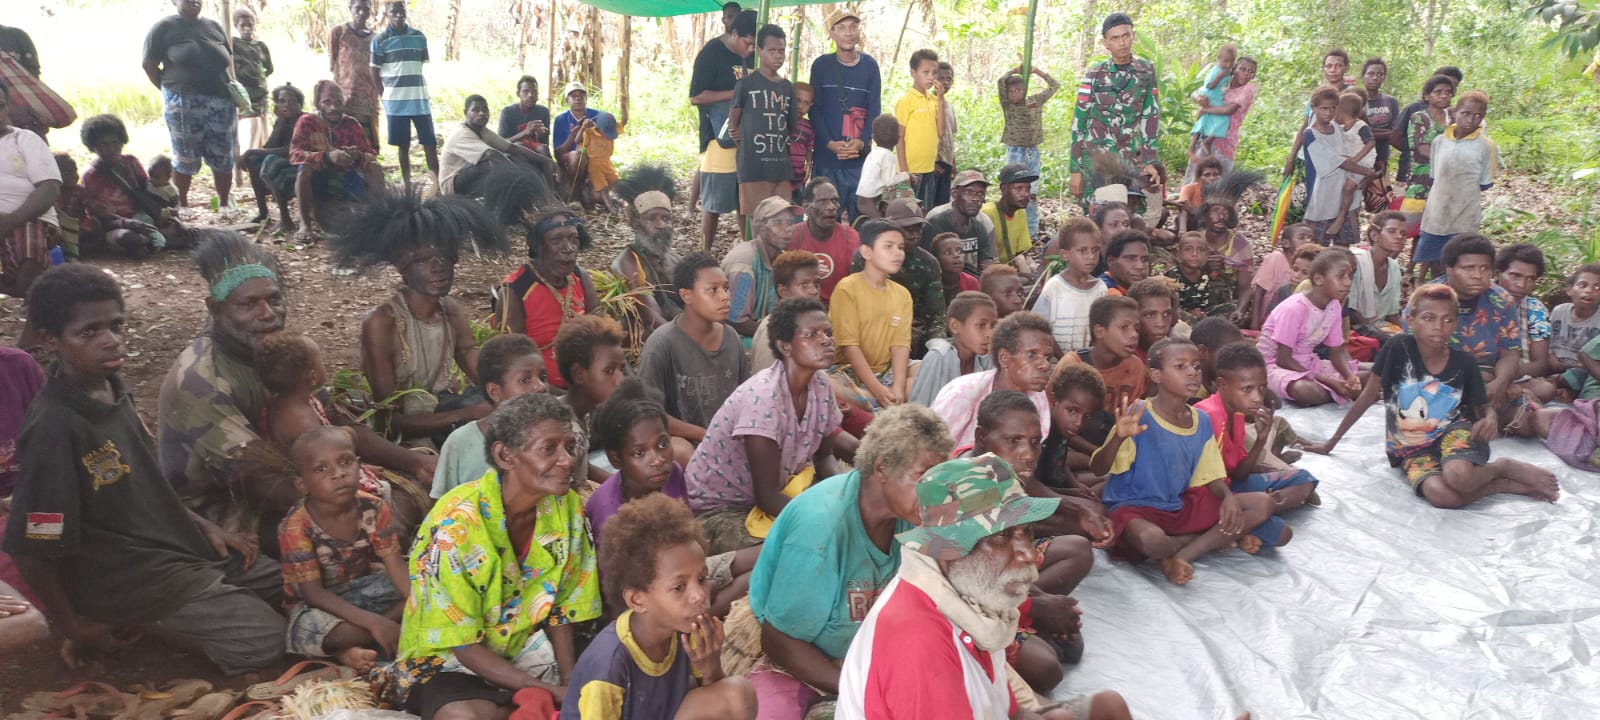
(752, 193)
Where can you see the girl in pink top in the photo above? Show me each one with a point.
(1290, 337)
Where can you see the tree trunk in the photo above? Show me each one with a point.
(1433, 20)
(316, 24)
(624, 67)
(1090, 33)
(550, 67)
(452, 32)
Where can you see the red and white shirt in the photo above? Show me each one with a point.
(920, 667)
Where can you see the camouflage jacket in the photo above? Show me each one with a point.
(209, 445)
(1118, 110)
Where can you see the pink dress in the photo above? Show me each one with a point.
(1302, 326)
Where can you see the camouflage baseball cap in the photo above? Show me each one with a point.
(966, 500)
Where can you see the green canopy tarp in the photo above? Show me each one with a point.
(670, 8)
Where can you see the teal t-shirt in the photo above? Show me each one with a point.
(461, 460)
(819, 573)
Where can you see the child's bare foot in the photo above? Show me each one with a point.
(1180, 572)
(1248, 543)
(360, 658)
(1536, 482)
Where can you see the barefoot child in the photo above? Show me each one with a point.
(290, 367)
(508, 365)
(1296, 327)
(1210, 128)
(662, 657)
(971, 322)
(1241, 399)
(1066, 297)
(1327, 166)
(631, 428)
(343, 577)
(1167, 494)
(1438, 417)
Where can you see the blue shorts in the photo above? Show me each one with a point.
(1429, 247)
(201, 127)
(1268, 482)
(400, 130)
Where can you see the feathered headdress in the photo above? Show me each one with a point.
(1226, 191)
(387, 228)
(1113, 177)
(647, 177)
(513, 192)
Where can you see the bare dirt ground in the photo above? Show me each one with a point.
(165, 300)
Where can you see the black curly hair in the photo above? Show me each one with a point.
(98, 126)
(785, 320)
(284, 359)
(1241, 355)
(57, 293)
(496, 356)
(1077, 376)
(631, 402)
(579, 336)
(634, 536)
(391, 226)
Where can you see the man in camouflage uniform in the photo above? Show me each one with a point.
(919, 274)
(210, 447)
(1118, 108)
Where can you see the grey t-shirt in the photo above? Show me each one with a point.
(977, 239)
(1568, 334)
(764, 128)
(695, 382)
(941, 365)
(193, 55)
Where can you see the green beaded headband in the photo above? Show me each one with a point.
(235, 276)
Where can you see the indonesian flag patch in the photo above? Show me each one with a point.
(44, 526)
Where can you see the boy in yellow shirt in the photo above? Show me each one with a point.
(920, 113)
(871, 317)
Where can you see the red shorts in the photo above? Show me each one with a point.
(1200, 512)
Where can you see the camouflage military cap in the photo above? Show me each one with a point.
(966, 500)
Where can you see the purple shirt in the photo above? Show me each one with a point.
(718, 475)
(607, 499)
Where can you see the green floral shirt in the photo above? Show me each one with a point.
(467, 586)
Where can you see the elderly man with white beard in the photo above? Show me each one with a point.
(934, 644)
(648, 261)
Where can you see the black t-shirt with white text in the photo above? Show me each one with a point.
(764, 127)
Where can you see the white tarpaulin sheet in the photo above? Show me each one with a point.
(1381, 607)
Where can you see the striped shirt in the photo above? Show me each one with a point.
(399, 56)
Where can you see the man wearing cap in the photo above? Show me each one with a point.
(583, 138)
(833, 242)
(919, 274)
(649, 260)
(717, 69)
(1118, 108)
(473, 151)
(1009, 213)
(749, 263)
(963, 216)
(847, 86)
(934, 643)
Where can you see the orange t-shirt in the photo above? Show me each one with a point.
(1124, 380)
